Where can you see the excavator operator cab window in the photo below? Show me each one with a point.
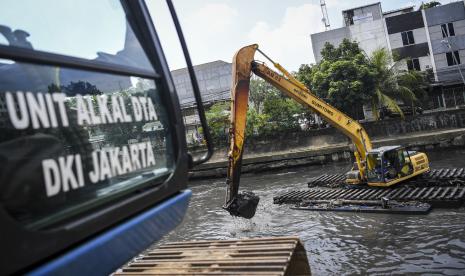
(388, 165)
(375, 167)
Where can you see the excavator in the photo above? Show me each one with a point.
(378, 167)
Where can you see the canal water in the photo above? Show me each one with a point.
(336, 243)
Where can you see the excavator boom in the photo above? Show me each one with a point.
(244, 204)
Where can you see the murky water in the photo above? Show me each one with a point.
(336, 243)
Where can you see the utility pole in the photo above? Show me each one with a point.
(325, 18)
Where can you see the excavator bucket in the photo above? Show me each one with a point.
(244, 205)
(257, 256)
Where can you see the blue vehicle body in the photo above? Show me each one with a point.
(105, 253)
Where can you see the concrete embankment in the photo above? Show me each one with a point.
(430, 131)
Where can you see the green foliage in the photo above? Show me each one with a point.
(259, 89)
(428, 5)
(270, 109)
(257, 123)
(304, 75)
(343, 78)
(218, 121)
(392, 85)
(347, 79)
(281, 113)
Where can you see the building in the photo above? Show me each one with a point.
(214, 79)
(408, 41)
(430, 40)
(362, 24)
(446, 29)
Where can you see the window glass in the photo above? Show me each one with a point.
(71, 139)
(413, 64)
(404, 38)
(451, 29)
(444, 30)
(166, 31)
(409, 64)
(375, 169)
(457, 57)
(447, 30)
(103, 34)
(410, 37)
(451, 60)
(416, 64)
(407, 38)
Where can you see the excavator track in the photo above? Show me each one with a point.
(256, 256)
(435, 177)
(441, 196)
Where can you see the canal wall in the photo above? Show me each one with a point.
(443, 129)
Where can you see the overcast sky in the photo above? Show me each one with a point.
(216, 29)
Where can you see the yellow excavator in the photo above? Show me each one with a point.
(380, 167)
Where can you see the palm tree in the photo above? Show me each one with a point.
(392, 85)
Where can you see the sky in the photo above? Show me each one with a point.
(216, 29)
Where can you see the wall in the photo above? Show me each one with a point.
(334, 37)
(419, 35)
(329, 145)
(214, 80)
(450, 13)
(425, 64)
(445, 13)
(370, 35)
(377, 129)
(449, 74)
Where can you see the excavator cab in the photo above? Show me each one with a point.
(388, 165)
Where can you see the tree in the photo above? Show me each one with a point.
(257, 124)
(343, 77)
(428, 5)
(392, 85)
(304, 75)
(218, 121)
(258, 92)
(282, 113)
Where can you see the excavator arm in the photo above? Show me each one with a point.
(244, 204)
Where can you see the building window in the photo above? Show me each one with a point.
(407, 38)
(447, 30)
(451, 60)
(413, 64)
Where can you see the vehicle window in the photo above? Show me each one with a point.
(70, 139)
(374, 172)
(93, 30)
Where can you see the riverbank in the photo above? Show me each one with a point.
(317, 155)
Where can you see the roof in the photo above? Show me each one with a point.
(363, 6)
(383, 149)
(398, 10)
(199, 66)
